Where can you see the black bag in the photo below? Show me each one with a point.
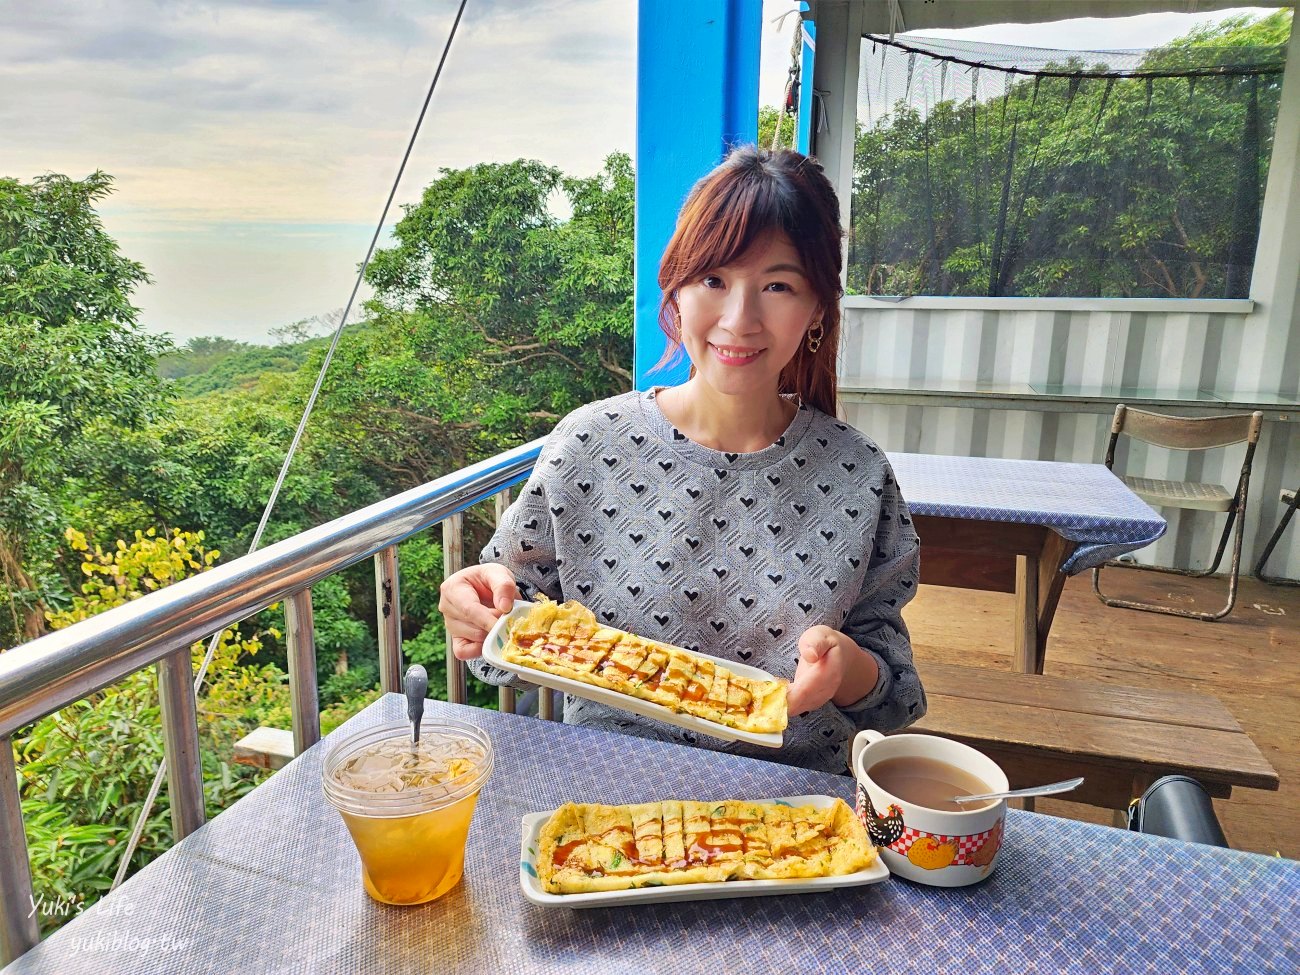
(1178, 807)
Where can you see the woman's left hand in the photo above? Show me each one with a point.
(823, 656)
(831, 668)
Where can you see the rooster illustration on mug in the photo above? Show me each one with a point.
(884, 830)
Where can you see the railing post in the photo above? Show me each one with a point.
(180, 724)
(505, 695)
(300, 635)
(545, 704)
(18, 928)
(389, 603)
(453, 560)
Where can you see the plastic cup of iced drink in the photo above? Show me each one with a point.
(408, 807)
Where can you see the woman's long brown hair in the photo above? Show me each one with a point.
(751, 192)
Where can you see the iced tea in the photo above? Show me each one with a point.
(407, 807)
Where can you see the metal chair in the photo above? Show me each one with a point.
(1188, 433)
(1290, 499)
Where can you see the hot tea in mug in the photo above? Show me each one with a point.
(928, 782)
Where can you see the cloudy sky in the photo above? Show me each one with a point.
(254, 142)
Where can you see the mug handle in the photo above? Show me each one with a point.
(860, 741)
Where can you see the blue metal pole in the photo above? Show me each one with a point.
(697, 96)
(807, 56)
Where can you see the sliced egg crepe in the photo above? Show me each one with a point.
(586, 847)
(565, 639)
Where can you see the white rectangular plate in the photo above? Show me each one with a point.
(495, 645)
(533, 891)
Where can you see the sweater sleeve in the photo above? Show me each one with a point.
(876, 624)
(524, 543)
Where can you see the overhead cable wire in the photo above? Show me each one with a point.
(161, 772)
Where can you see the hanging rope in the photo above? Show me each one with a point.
(161, 772)
(1008, 170)
(790, 97)
(977, 154)
(1246, 202)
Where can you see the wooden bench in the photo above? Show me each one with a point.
(1121, 739)
(265, 748)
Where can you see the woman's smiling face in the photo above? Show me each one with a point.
(742, 323)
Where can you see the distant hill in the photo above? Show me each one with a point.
(212, 364)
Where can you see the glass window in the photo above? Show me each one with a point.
(991, 170)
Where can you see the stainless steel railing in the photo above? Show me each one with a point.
(40, 677)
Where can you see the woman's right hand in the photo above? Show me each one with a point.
(472, 600)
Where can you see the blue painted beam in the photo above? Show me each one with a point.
(807, 56)
(697, 96)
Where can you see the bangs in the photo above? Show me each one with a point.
(718, 227)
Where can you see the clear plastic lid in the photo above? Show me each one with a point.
(379, 772)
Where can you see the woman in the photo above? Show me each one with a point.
(734, 514)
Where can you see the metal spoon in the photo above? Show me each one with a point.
(415, 683)
(1036, 790)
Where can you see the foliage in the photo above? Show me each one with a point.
(228, 448)
(768, 118)
(491, 318)
(86, 770)
(347, 693)
(341, 638)
(71, 355)
(200, 355)
(1072, 186)
(213, 364)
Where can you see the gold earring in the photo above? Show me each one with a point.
(815, 336)
(677, 329)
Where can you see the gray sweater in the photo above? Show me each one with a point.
(734, 555)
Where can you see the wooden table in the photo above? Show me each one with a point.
(1020, 526)
(1121, 739)
(1021, 559)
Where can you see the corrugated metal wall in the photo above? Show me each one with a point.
(1103, 348)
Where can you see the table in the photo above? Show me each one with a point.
(1020, 526)
(272, 885)
(1121, 739)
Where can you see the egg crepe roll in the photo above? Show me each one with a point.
(592, 847)
(564, 639)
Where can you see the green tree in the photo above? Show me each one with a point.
(72, 356)
(492, 317)
(200, 355)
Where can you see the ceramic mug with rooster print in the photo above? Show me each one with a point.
(930, 846)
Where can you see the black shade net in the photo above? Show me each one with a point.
(993, 170)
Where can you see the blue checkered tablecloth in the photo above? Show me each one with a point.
(273, 885)
(1084, 503)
